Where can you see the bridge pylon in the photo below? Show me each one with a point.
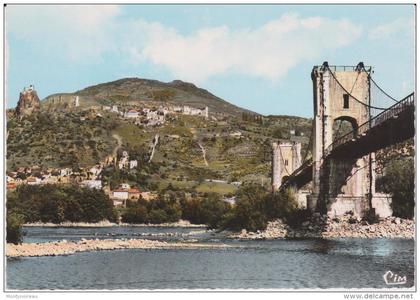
(341, 98)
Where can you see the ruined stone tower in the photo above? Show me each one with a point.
(341, 104)
(28, 102)
(286, 159)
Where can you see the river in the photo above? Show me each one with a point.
(276, 264)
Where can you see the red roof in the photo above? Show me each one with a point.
(133, 191)
(120, 190)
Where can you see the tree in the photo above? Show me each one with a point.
(14, 224)
(249, 212)
(399, 182)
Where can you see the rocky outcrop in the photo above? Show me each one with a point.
(28, 103)
(346, 226)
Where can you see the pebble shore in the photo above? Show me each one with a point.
(340, 227)
(64, 247)
(180, 223)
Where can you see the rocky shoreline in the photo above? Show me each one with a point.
(180, 223)
(346, 226)
(64, 247)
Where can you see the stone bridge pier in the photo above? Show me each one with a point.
(342, 184)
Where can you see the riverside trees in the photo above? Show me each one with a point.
(59, 203)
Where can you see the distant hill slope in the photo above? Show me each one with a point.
(136, 90)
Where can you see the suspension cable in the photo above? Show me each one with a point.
(374, 82)
(361, 102)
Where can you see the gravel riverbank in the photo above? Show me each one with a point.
(342, 227)
(69, 247)
(180, 223)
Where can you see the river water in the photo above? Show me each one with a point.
(276, 264)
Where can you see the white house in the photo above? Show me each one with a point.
(93, 184)
(133, 164)
(65, 172)
(131, 114)
(177, 109)
(187, 110)
(114, 108)
(120, 193)
(33, 181)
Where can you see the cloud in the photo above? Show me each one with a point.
(84, 34)
(269, 51)
(397, 28)
(77, 32)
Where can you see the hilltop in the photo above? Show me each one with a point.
(184, 148)
(129, 91)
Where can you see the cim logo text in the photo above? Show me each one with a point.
(394, 279)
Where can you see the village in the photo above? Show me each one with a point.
(90, 177)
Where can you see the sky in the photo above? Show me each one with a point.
(255, 56)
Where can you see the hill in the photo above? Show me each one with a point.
(130, 91)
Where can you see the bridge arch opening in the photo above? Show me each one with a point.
(343, 125)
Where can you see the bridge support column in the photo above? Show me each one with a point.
(339, 185)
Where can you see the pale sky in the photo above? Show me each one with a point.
(255, 56)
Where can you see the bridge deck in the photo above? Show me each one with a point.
(390, 127)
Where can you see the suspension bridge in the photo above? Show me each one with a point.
(349, 93)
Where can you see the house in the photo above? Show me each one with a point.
(92, 184)
(177, 109)
(131, 114)
(133, 194)
(188, 110)
(114, 108)
(133, 164)
(66, 172)
(51, 180)
(33, 180)
(121, 194)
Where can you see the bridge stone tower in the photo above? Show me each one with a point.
(286, 159)
(340, 185)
